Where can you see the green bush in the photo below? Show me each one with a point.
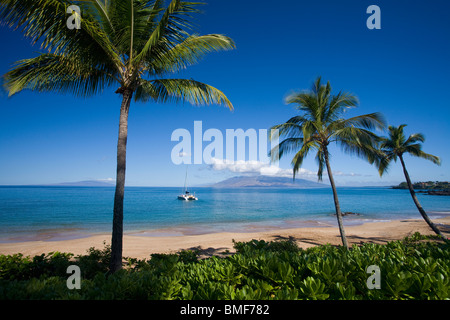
(261, 245)
(18, 267)
(96, 261)
(415, 268)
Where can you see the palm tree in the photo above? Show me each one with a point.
(133, 44)
(321, 124)
(394, 147)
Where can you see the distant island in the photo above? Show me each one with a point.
(86, 183)
(438, 188)
(267, 182)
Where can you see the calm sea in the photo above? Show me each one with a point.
(55, 213)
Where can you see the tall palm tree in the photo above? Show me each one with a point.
(394, 147)
(321, 124)
(132, 44)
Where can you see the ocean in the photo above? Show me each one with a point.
(56, 213)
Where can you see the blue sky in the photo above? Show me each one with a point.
(401, 71)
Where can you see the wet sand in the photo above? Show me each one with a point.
(142, 244)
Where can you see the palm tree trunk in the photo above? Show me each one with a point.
(336, 201)
(117, 230)
(417, 203)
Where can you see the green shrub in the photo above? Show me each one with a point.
(18, 267)
(414, 268)
(261, 245)
(96, 261)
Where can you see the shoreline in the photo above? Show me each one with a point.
(141, 245)
(61, 234)
(56, 234)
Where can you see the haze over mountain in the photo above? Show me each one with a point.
(235, 182)
(86, 183)
(266, 181)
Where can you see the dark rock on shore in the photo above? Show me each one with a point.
(439, 193)
(348, 213)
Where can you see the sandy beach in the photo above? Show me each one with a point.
(141, 246)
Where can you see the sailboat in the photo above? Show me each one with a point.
(186, 195)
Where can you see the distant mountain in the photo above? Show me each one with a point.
(86, 183)
(266, 181)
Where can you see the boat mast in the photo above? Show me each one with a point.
(185, 181)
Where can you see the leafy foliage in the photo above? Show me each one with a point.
(393, 148)
(396, 145)
(321, 123)
(415, 268)
(18, 267)
(133, 44)
(429, 185)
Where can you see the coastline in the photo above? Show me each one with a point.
(141, 245)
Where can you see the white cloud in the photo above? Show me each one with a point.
(267, 169)
(343, 174)
(256, 167)
(106, 180)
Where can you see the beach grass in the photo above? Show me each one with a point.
(417, 267)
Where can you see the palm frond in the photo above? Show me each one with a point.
(35, 18)
(360, 142)
(300, 156)
(367, 121)
(172, 28)
(121, 40)
(100, 9)
(416, 151)
(175, 90)
(189, 52)
(100, 37)
(416, 137)
(286, 146)
(320, 159)
(306, 102)
(395, 145)
(156, 8)
(338, 103)
(385, 161)
(289, 129)
(50, 72)
(130, 19)
(44, 21)
(321, 123)
(397, 135)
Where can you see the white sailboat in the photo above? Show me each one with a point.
(186, 195)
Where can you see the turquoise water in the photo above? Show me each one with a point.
(54, 213)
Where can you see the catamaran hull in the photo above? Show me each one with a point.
(187, 198)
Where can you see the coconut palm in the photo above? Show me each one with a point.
(320, 124)
(134, 45)
(395, 146)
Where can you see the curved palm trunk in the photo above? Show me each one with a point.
(336, 201)
(417, 203)
(117, 230)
